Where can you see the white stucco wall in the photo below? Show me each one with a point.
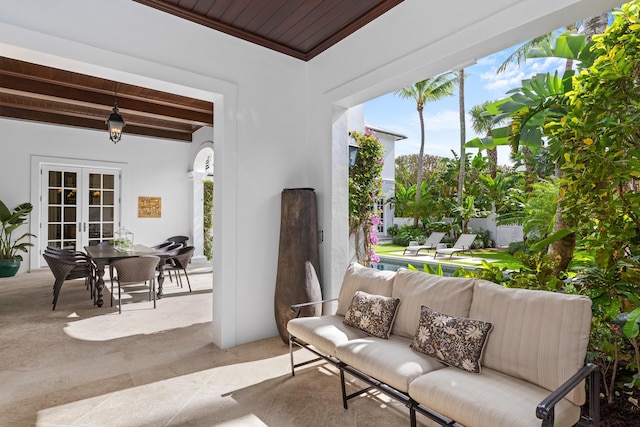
(146, 173)
(279, 122)
(254, 90)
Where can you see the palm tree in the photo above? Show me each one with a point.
(482, 122)
(463, 137)
(431, 89)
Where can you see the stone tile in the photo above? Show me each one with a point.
(84, 365)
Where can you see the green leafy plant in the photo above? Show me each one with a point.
(10, 222)
(610, 279)
(437, 270)
(365, 186)
(208, 218)
(467, 211)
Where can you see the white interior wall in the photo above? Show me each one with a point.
(72, 146)
(279, 122)
(258, 122)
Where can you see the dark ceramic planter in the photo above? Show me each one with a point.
(9, 267)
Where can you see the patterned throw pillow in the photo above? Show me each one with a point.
(374, 314)
(456, 341)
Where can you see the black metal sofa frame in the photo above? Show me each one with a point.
(544, 410)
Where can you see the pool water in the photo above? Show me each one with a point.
(393, 264)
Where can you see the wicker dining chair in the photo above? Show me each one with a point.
(163, 244)
(135, 270)
(83, 261)
(180, 262)
(172, 249)
(179, 239)
(69, 266)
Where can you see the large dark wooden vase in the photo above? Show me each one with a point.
(298, 258)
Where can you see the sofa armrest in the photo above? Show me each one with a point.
(297, 307)
(545, 409)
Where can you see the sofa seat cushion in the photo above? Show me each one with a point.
(390, 361)
(324, 333)
(538, 336)
(489, 399)
(448, 295)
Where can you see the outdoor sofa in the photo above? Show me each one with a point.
(457, 350)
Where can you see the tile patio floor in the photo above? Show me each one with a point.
(83, 365)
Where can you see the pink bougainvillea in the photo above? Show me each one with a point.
(365, 186)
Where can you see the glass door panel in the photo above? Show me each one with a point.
(101, 209)
(80, 206)
(60, 201)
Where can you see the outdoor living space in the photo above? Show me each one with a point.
(206, 98)
(83, 365)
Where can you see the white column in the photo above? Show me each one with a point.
(198, 216)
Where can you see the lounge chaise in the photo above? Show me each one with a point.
(431, 243)
(463, 244)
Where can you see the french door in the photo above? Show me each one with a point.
(80, 206)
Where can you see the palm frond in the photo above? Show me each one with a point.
(519, 55)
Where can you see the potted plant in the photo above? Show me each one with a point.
(9, 248)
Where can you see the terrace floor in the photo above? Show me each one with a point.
(83, 365)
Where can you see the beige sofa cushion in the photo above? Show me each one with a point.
(449, 295)
(489, 399)
(324, 333)
(360, 278)
(538, 336)
(390, 361)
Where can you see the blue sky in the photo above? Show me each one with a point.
(442, 133)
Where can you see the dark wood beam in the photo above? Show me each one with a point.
(67, 120)
(94, 98)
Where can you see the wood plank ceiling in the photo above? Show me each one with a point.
(298, 28)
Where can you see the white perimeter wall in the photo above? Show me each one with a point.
(279, 122)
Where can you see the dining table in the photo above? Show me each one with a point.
(105, 255)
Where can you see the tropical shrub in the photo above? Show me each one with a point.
(365, 186)
(208, 218)
(393, 230)
(483, 240)
(600, 160)
(409, 233)
(517, 247)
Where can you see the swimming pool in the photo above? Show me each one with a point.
(392, 264)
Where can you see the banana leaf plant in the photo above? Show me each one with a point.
(539, 98)
(10, 222)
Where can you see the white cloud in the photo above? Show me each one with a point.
(549, 65)
(512, 77)
(441, 120)
(498, 84)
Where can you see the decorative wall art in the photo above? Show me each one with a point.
(149, 207)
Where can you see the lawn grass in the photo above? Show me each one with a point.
(497, 257)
